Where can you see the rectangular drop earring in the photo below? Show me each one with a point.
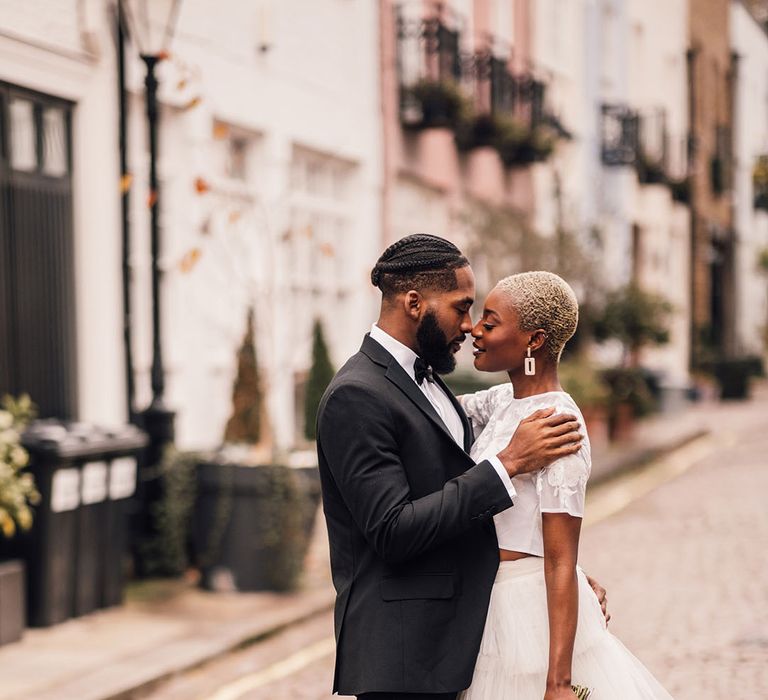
(530, 364)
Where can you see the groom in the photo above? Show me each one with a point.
(409, 514)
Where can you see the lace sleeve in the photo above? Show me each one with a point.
(562, 485)
(480, 405)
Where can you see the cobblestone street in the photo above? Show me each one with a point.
(683, 565)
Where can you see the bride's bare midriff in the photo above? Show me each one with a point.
(507, 555)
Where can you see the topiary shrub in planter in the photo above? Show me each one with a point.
(167, 552)
(320, 374)
(253, 524)
(630, 397)
(636, 318)
(253, 518)
(592, 395)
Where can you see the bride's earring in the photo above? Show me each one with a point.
(530, 364)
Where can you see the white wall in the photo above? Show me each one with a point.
(294, 245)
(749, 42)
(632, 53)
(312, 90)
(46, 45)
(658, 81)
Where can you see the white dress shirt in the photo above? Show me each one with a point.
(437, 397)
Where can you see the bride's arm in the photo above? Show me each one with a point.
(561, 546)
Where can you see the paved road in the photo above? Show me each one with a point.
(684, 566)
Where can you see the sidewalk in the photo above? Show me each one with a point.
(168, 627)
(165, 627)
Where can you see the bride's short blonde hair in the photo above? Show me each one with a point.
(543, 300)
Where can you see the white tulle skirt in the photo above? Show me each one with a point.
(512, 664)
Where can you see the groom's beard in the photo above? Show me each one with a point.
(434, 347)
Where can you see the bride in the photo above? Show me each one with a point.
(545, 630)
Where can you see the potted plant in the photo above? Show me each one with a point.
(734, 375)
(521, 144)
(17, 494)
(477, 131)
(433, 104)
(760, 183)
(636, 318)
(630, 398)
(254, 512)
(592, 394)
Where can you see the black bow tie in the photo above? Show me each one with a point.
(422, 371)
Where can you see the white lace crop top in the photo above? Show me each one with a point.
(559, 488)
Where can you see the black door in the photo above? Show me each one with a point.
(37, 302)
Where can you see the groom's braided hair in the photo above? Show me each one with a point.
(418, 261)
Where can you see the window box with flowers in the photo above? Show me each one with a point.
(519, 144)
(17, 495)
(433, 104)
(760, 183)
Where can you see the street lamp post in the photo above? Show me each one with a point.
(157, 419)
(151, 26)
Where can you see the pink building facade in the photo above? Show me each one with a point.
(464, 114)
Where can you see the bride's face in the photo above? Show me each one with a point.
(500, 345)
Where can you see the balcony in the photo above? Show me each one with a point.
(475, 94)
(429, 71)
(508, 112)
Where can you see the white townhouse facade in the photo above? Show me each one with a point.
(618, 83)
(749, 43)
(269, 169)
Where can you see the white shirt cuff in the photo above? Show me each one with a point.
(499, 467)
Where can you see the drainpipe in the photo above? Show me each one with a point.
(125, 201)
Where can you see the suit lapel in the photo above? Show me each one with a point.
(398, 376)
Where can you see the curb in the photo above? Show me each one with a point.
(633, 460)
(256, 635)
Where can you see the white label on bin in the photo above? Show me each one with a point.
(94, 483)
(122, 478)
(65, 490)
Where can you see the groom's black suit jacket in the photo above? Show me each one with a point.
(413, 550)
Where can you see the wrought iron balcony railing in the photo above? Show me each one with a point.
(619, 135)
(475, 93)
(429, 68)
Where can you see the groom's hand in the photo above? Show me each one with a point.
(539, 440)
(602, 597)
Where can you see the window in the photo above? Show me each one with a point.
(23, 137)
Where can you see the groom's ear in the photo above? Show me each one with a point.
(412, 304)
